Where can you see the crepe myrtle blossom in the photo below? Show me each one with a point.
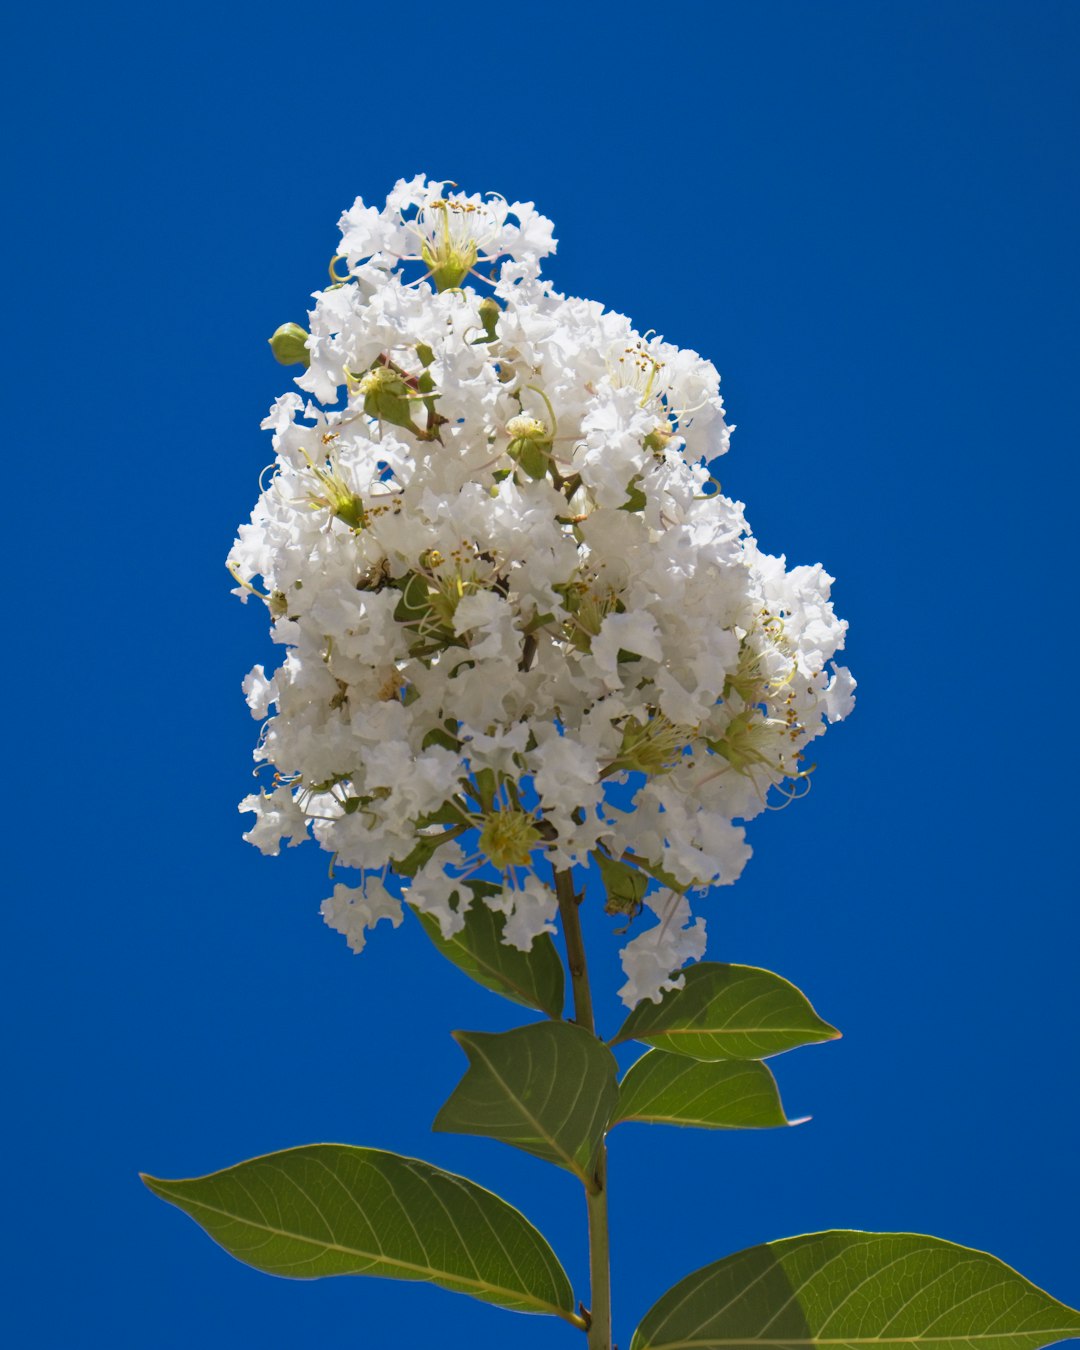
(520, 624)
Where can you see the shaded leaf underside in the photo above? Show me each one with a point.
(533, 978)
(850, 1289)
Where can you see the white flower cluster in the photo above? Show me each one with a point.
(522, 625)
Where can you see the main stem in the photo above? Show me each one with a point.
(596, 1195)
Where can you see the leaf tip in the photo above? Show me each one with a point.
(801, 1120)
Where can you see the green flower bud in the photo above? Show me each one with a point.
(289, 345)
(490, 313)
(530, 445)
(387, 397)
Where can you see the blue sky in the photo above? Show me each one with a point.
(866, 215)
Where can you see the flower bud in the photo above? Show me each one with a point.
(387, 397)
(289, 345)
(490, 313)
(530, 445)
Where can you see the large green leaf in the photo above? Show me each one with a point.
(728, 1012)
(548, 1088)
(856, 1289)
(726, 1094)
(533, 978)
(329, 1209)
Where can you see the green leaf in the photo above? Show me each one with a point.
(533, 978)
(329, 1209)
(423, 851)
(450, 813)
(856, 1289)
(717, 1094)
(548, 1088)
(728, 1012)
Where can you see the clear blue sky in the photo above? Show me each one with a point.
(867, 216)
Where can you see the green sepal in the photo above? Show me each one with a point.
(439, 736)
(331, 1209)
(534, 978)
(531, 455)
(415, 603)
(851, 1290)
(417, 611)
(353, 804)
(388, 398)
(484, 786)
(548, 1089)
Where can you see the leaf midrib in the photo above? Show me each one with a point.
(699, 1122)
(731, 1031)
(648, 1033)
(430, 1271)
(1060, 1333)
(571, 1164)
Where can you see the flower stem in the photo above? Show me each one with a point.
(596, 1195)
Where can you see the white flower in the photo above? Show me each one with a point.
(279, 817)
(530, 911)
(259, 692)
(352, 912)
(651, 959)
(507, 595)
(838, 697)
(440, 893)
(567, 774)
